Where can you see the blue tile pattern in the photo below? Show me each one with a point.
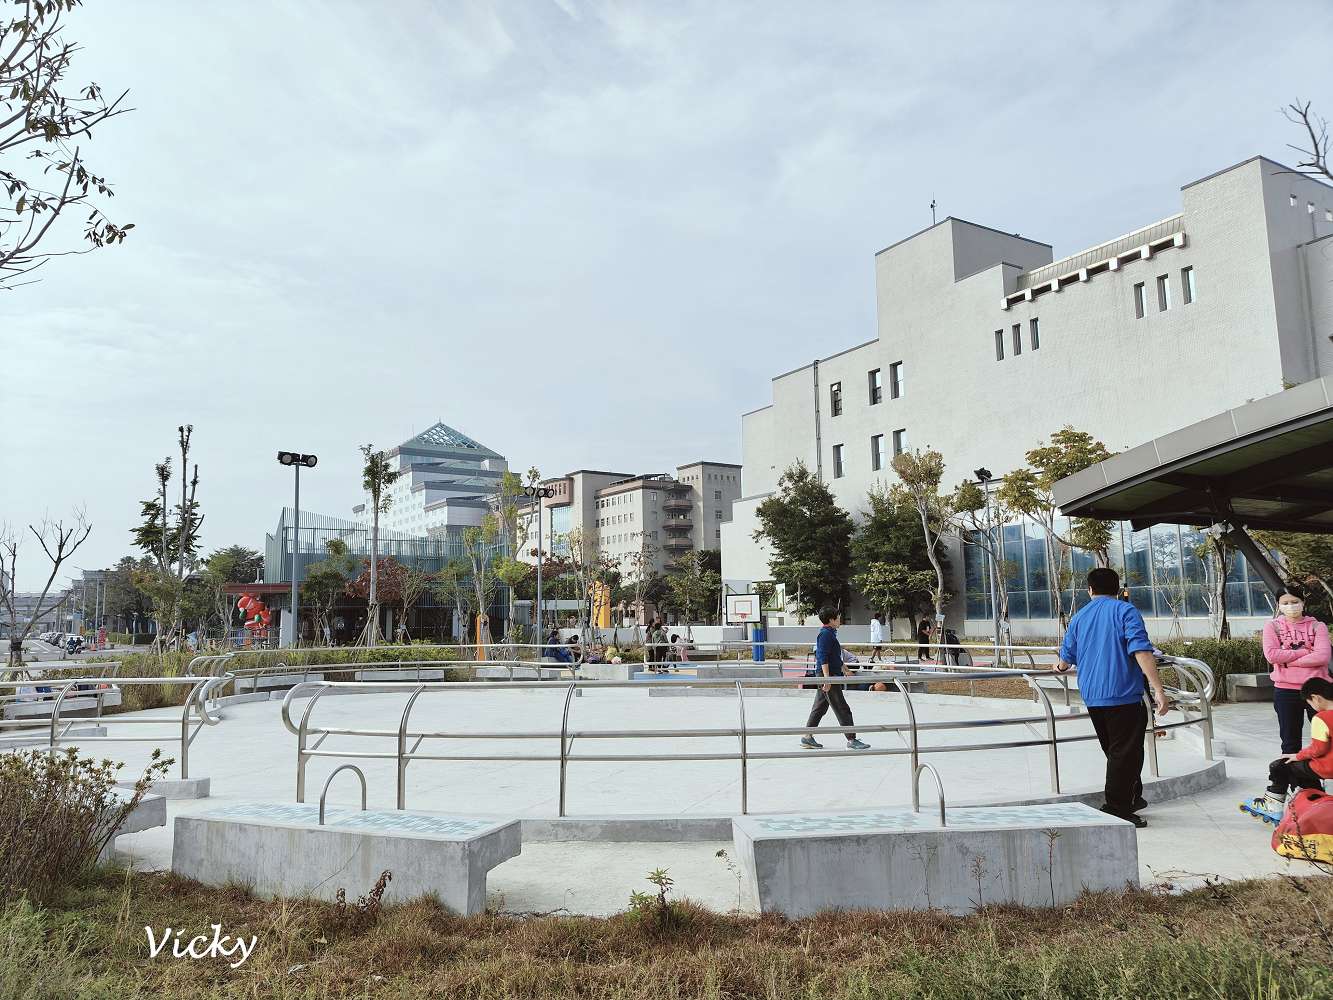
(336, 816)
(968, 818)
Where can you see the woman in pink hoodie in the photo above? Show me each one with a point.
(1297, 647)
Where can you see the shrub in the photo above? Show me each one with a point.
(57, 812)
(1225, 656)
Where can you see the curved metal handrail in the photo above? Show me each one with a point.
(916, 788)
(345, 767)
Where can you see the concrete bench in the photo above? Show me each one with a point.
(896, 859)
(149, 813)
(273, 682)
(75, 704)
(400, 674)
(524, 673)
(281, 850)
(1249, 687)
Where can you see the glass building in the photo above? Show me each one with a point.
(1165, 568)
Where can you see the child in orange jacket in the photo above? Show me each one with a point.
(1309, 767)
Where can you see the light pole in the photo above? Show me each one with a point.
(992, 576)
(296, 460)
(539, 493)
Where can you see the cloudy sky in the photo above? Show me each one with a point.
(585, 233)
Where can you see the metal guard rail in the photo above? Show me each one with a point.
(1196, 697)
(194, 714)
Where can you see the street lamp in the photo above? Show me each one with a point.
(992, 576)
(295, 459)
(539, 493)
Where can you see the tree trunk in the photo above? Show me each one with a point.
(373, 611)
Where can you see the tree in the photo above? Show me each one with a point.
(639, 566)
(483, 549)
(985, 531)
(58, 543)
(415, 583)
(1306, 560)
(921, 473)
(1314, 160)
(514, 529)
(121, 598)
(389, 577)
(42, 121)
(377, 475)
(1028, 491)
(234, 564)
(453, 583)
(170, 537)
(694, 586)
(810, 536)
(889, 551)
(326, 581)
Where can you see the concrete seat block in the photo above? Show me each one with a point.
(269, 682)
(900, 860)
(402, 674)
(1249, 687)
(281, 850)
(149, 813)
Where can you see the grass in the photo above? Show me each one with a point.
(1258, 939)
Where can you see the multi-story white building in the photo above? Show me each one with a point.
(447, 481)
(986, 345)
(619, 513)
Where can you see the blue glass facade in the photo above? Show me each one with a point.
(1161, 566)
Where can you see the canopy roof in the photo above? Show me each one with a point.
(1267, 465)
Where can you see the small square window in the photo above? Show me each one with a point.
(896, 380)
(1034, 333)
(899, 441)
(838, 469)
(717, 494)
(1328, 215)
(835, 398)
(1018, 339)
(1309, 208)
(718, 514)
(1140, 301)
(877, 456)
(1291, 200)
(999, 345)
(876, 385)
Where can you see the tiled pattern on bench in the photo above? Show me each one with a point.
(388, 822)
(1053, 814)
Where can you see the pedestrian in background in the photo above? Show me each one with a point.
(1296, 646)
(828, 663)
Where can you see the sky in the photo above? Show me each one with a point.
(586, 234)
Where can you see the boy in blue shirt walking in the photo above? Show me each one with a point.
(1109, 643)
(828, 663)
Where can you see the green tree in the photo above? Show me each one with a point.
(1306, 560)
(810, 536)
(169, 534)
(324, 582)
(483, 547)
(984, 530)
(1028, 491)
(694, 587)
(514, 530)
(377, 476)
(45, 123)
(453, 583)
(920, 474)
(233, 564)
(889, 553)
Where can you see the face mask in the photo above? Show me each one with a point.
(1292, 609)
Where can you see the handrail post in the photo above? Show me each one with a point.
(55, 713)
(564, 753)
(325, 792)
(1053, 743)
(402, 748)
(745, 785)
(1150, 736)
(916, 789)
(913, 735)
(301, 760)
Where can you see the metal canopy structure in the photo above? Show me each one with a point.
(1267, 465)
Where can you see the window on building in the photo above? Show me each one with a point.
(896, 380)
(1163, 292)
(1034, 333)
(876, 383)
(1328, 215)
(837, 461)
(717, 533)
(1187, 284)
(877, 453)
(1018, 339)
(835, 398)
(717, 515)
(899, 441)
(999, 345)
(1291, 200)
(1309, 208)
(1140, 301)
(717, 494)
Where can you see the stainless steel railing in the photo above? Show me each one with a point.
(1192, 698)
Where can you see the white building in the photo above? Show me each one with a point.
(618, 513)
(985, 346)
(447, 480)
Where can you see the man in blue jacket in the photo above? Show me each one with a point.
(1109, 643)
(828, 663)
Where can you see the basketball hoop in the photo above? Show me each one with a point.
(742, 615)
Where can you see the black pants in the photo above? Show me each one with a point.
(1121, 730)
(1284, 774)
(1291, 714)
(841, 710)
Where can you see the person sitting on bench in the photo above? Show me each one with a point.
(1309, 767)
